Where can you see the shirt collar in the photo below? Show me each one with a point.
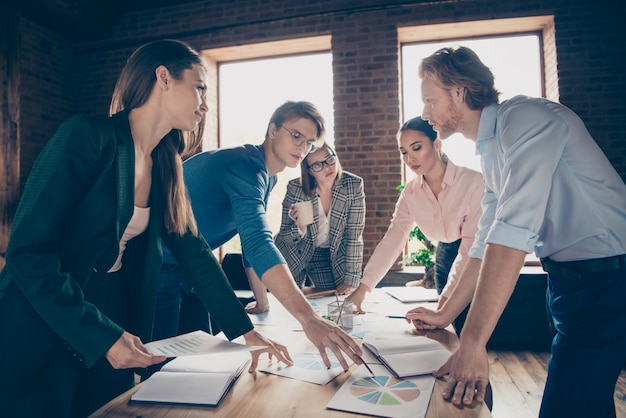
(448, 176)
(486, 125)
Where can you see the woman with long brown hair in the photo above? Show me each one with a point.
(85, 248)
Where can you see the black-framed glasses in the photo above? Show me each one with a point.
(319, 166)
(299, 139)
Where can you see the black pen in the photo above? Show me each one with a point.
(396, 317)
(365, 364)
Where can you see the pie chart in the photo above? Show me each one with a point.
(384, 390)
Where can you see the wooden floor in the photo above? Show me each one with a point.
(518, 378)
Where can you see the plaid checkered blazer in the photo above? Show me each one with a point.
(347, 220)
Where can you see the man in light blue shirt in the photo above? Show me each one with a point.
(549, 188)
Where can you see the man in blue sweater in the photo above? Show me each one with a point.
(229, 189)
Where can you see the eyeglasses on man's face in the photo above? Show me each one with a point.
(299, 139)
(319, 166)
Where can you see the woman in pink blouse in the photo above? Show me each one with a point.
(443, 200)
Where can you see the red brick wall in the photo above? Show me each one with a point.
(48, 78)
(589, 78)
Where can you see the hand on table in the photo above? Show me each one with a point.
(253, 337)
(344, 289)
(129, 352)
(261, 303)
(357, 298)
(326, 334)
(255, 307)
(468, 371)
(426, 319)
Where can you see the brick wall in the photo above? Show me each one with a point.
(48, 78)
(586, 42)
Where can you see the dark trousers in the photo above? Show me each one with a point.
(101, 383)
(178, 308)
(50, 394)
(445, 254)
(588, 312)
(64, 387)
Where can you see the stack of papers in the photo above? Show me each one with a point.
(196, 342)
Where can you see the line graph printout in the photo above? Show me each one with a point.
(383, 395)
(196, 342)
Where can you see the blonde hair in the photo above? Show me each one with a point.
(461, 67)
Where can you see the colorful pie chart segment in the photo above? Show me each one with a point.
(384, 390)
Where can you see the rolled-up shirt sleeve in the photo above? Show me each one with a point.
(488, 206)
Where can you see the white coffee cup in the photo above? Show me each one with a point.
(305, 212)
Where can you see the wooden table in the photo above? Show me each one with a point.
(262, 395)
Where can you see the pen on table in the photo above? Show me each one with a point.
(366, 366)
(396, 316)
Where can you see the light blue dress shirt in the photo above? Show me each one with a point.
(549, 186)
(229, 189)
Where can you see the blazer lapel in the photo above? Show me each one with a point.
(125, 163)
(313, 228)
(337, 216)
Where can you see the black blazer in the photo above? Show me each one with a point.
(74, 209)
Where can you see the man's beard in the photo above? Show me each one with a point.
(452, 124)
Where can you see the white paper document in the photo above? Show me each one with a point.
(308, 367)
(383, 395)
(412, 294)
(193, 343)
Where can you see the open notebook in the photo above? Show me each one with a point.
(407, 356)
(193, 380)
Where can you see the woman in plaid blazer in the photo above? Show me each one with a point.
(329, 251)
